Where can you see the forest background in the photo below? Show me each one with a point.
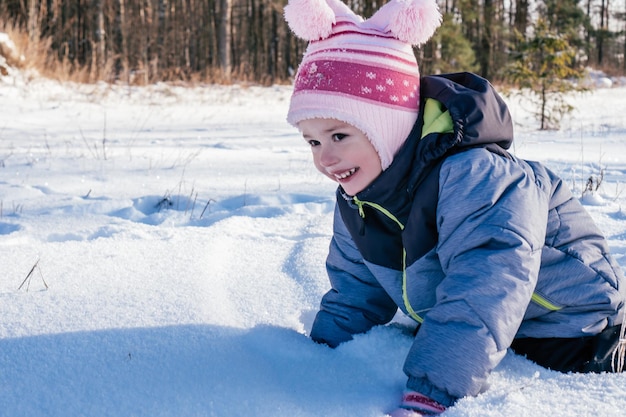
(222, 41)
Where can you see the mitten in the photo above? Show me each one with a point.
(415, 404)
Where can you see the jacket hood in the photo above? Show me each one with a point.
(479, 115)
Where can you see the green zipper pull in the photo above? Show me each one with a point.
(360, 205)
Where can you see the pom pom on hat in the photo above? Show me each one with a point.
(412, 21)
(310, 19)
(362, 72)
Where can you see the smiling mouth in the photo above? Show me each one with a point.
(346, 174)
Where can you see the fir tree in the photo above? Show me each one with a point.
(454, 49)
(544, 65)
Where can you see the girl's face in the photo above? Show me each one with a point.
(342, 153)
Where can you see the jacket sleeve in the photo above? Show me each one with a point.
(356, 302)
(491, 218)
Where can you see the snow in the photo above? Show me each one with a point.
(177, 235)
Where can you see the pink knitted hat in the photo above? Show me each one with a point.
(362, 72)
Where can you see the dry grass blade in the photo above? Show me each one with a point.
(30, 275)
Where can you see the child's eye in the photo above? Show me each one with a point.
(338, 136)
(314, 142)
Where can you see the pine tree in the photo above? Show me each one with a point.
(544, 65)
(452, 50)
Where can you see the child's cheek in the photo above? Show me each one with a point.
(322, 170)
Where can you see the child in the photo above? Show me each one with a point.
(485, 251)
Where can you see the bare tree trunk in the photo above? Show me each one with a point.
(521, 16)
(544, 99)
(124, 36)
(33, 22)
(224, 38)
(79, 34)
(272, 56)
(144, 31)
(161, 34)
(194, 14)
(485, 39)
(100, 35)
(259, 51)
(186, 38)
(602, 31)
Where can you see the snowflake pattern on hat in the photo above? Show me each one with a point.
(385, 86)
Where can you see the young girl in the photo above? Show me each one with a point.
(485, 251)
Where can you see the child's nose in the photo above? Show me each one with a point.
(328, 156)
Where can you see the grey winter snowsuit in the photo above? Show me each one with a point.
(478, 246)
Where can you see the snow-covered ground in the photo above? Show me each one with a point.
(162, 254)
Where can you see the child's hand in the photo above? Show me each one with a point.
(415, 404)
